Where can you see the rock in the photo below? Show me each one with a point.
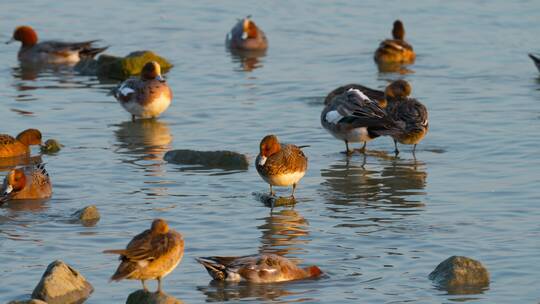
(459, 274)
(209, 159)
(31, 301)
(113, 67)
(145, 297)
(273, 201)
(51, 146)
(62, 284)
(88, 216)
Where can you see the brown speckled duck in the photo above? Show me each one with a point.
(280, 165)
(247, 36)
(12, 147)
(262, 268)
(147, 96)
(396, 50)
(151, 255)
(30, 183)
(51, 51)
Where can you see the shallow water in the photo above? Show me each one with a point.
(377, 225)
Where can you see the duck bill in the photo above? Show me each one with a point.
(262, 161)
(10, 40)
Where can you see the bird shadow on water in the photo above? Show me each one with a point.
(218, 291)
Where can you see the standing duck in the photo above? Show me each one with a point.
(147, 96)
(33, 51)
(30, 183)
(409, 116)
(12, 147)
(151, 255)
(351, 115)
(263, 268)
(396, 50)
(280, 165)
(247, 36)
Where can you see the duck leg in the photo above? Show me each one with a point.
(363, 149)
(347, 151)
(159, 290)
(132, 118)
(396, 151)
(293, 189)
(144, 286)
(272, 193)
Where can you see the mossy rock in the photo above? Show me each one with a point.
(146, 297)
(461, 275)
(51, 146)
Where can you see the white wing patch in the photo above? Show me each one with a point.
(359, 93)
(125, 90)
(333, 117)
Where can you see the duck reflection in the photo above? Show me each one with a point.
(248, 60)
(144, 142)
(394, 188)
(284, 232)
(394, 68)
(8, 163)
(219, 291)
(15, 206)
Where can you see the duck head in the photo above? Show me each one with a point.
(269, 146)
(30, 137)
(398, 32)
(26, 35)
(250, 29)
(399, 89)
(151, 70)
(313, 271)
(159, 226)
(13, 183)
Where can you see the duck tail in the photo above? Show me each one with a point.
(215, 270)
(536, 61)
(304, 146)
(91, 52)
(123, 271)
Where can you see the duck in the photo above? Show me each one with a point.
(261, 268)
(147, 96)
(280, 164)
(536, 61)
(409, 116)
(29, 183)
(20, 145)
(353, 113)
(151, 255)
(396, 50)
(247, 36)
(53, 52)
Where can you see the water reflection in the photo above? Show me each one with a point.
(248, 60)
(393, 188)
(284, 232)
(8, 163)
(15, 206)
(144, 141)
(218, 291)
(394, 68)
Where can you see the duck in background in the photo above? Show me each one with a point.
(262, 268)
(151, 255)
(20, 145)
(54, 52)
(147, 96)
(395, 52)
(246, 36)
(30, 183)
(280, 164)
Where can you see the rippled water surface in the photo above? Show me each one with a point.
(376, 224)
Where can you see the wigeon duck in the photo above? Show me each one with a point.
(30, 183)
(147, 96)
(351, 115)
(11, 147)
(263, 268)
(51, 51)
(245, 35)
(536, 61)
(151, 255)
(397, 50)
(280, 165)
(409, 116)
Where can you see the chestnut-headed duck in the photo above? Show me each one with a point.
(262, 268)
(151, 255)
(353, 113)
(409, 116)
(30, 183)
(536, 61)
(396, 50)
(12, 147)
(147, 96)
(246, 35)
(51, 51)
(280, 165)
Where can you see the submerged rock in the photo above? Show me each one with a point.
(61, 284)
(459, 274)
(51, 146)
(145, 297)
(209, 159)
(88, 216)
(273, 201)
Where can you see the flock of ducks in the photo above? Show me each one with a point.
(351, 113)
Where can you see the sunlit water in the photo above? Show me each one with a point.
(377, 225)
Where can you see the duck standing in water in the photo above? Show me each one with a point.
(147, 96)
(30, 183)
(246, 36)
(151, 255)
(280, 165)
(59, 52)
(396, 50)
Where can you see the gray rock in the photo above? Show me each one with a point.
(88, 215)
(145, 297)
(227, 160)
(31, 301)
(61, 284)
(459, 274)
